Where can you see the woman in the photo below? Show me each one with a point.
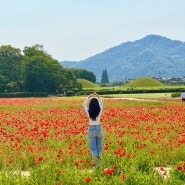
(95, 131)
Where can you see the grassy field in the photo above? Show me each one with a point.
(46, 138)
(98, 88)
(153, 96)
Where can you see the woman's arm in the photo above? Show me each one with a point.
(86, 102)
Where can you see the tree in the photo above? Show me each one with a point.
(10, 66)
(84, 74)
(36, 50)
(2, 83)
(42, 73)
(33, 71)
(104, 77)
(69, 82)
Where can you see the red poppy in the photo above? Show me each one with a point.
(179, 167)
(87, 180)
(88, 161)
(115, 167)
(76, 164)
(123, 176)
(109, 172)
(40, 158)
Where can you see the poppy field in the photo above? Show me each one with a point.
(47, 139)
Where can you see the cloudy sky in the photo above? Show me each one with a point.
(77, 29)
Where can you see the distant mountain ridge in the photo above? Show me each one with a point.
(151, 56)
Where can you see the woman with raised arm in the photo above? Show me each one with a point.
(93, 105)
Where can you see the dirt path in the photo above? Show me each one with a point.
(136, 99)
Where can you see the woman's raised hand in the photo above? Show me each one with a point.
(95, 94)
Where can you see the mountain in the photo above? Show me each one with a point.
(151, 56)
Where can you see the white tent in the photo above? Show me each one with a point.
(183, 96)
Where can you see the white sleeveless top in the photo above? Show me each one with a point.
(97, 121)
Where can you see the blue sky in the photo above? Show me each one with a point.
(78, 29)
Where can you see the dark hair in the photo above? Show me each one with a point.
(94, 109)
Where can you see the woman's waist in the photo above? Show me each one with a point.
(94, 122)
(98, 125)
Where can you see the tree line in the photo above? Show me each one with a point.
(34, 70)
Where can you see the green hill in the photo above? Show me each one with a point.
(144, 82)
(87, 84)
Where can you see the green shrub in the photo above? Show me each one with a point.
(176, 95)
(23, 94)
(70, 93)
(130, 91)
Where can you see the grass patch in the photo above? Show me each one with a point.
(87, 84)
(144, 82)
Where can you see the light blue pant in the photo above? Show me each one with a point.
(95, 140)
